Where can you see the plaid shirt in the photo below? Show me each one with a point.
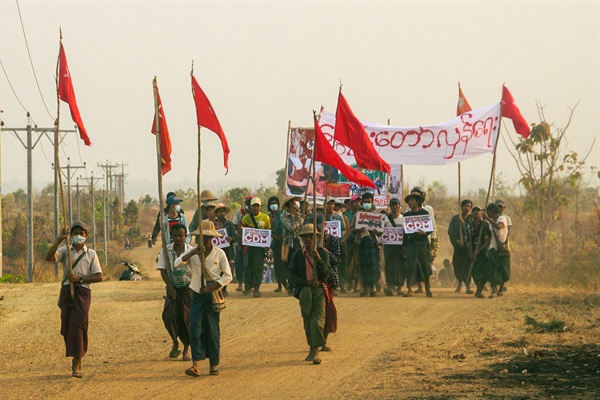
(332, 245)
(290, 227)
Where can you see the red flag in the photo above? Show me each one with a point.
(463, 105)
(325, 153)
(510, 110)
(350, 132)
(67, 94)
(206, 116)
(165, 138)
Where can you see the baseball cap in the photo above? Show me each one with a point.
(256, 200)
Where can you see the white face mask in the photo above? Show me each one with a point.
(297, 205)
(273, 207)
(178, 208)
(78, 240)
(367, 206)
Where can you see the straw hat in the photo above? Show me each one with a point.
(307, 229)
(207, 195)
(221, 205)
(208, 229)
(211, 204)
(286, 203)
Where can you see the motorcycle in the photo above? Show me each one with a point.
(132, 273)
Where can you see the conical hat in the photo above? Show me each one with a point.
(207, 195)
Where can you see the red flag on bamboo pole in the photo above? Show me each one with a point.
(510, 110)
(463, 105)
(326, 154)
(351, 132)
(165, 138)
(67, 94)
(206, 117)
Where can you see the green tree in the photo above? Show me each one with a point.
(130, 214)
(280, 180)
(238, 194)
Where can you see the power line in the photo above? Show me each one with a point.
(31, 61)
(13, 90)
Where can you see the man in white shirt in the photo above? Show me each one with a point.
(501, 208)
(205, 332)
(499, 259)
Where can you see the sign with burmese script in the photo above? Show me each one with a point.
(392, 235)
(334, 228)
(221, 242)
(371, 221)
(416, 223)
(256, 237)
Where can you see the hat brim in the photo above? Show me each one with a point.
(415, 196)
(226, 208)
(206, 232)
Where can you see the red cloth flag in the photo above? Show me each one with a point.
(350, 132)
(510, 110)
(325, 153)
(67, 94)
(463, 105)
(206, 117)
(165, 138)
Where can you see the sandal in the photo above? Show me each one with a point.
(186, 358)
(316, 361)
(174, 353)
(192, 371)
(77, 374)
(325, 348)
(213, 372)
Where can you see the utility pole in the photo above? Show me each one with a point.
(105, 219)
(77, 201)
(71, 170)
(91, 181)
(29, 145)
(108, 168)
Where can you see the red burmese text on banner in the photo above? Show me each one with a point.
(510, 110)
(206, 117)
(67, 94)
(326, 154)
(463, 105)
(351, 132)
(165, 138)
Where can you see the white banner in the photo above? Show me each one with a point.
(463, 137)
(333, 228)
(392, 235)
(221, 242)
(256, 237)
(371, 221)
(416, 223)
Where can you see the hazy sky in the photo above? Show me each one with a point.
(264, 63)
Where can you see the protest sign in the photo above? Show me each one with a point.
(221, 242)
(256, 237)
(416, 223)
(334, 228)
(371, 221)
(380, 201)
(392, 235)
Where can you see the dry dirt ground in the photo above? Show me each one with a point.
(449, 347)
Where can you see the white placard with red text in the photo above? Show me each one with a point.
(221, 242)
(371, 221)
(334, 228)
(392, 235)
(256, 237)
(380, 201)
(416, 223)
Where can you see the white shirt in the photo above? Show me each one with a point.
(181, 275)
(88, 265)
(501, 233)
(398, 221)
(216, 263)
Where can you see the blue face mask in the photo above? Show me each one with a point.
(367, 206)
(273, 207)
(178, 208)
(77, 240)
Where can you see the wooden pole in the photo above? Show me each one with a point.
(322, 239)
(199, 171)
(462, 239)
(160, 188)
(287, 157)
(69, 265)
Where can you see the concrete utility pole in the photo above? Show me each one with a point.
(91, 181)
(71, 170)
(29, 145)
(108, 168)
(105, 216)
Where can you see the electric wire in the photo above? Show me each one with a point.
(14, 92)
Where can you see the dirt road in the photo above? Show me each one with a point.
(450, 346)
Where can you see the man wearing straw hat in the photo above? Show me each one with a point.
(205, 332)
(74, 312)
(207, 198)
(309, 268)
(241, 257)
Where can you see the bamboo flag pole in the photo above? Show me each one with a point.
(287, 157)
(314, 180)
(199, 171)
(163, 234)
(322, 239)
(487, 198)
(60, 184)
(462, 239)
(310, 170)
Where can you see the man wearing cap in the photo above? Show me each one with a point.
(459, 238)
(418, 259)
(176, 310)
(395, 265)
(478, 245)
(256, 255)
(241, 257)
(173, 217)
(309, 268)
(368, 261)
(74, 314)
(205, 332)
(156, 229)
(501, 208)
(352, 269)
